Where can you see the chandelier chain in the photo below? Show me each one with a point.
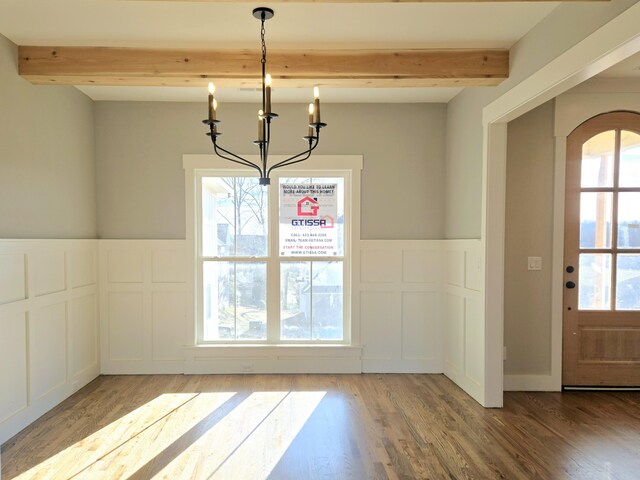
(264, 45)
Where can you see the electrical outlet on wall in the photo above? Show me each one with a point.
(247, 368)
(534, 263)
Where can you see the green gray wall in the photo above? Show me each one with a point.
(140, 145)
(529, 230)
(47, 167)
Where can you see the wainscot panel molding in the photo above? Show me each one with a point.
(146, 324)
(143, 306)
(48, 326)
(398, 297)
(463, 313)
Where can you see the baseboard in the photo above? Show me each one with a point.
(232, 359)
(124, 367)
(471, 387)
(386, 365)
(25, 417)
(273, 365)
(531, 383)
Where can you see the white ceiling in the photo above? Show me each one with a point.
(182, 24)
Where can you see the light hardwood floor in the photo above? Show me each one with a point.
(324, 427)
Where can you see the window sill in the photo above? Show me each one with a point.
(294, 350)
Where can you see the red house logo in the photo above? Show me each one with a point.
(328, 222)
(308, 207)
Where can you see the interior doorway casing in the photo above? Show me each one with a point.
(610, 44)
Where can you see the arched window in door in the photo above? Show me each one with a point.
(610, 221)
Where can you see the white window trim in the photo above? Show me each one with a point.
(348, 166)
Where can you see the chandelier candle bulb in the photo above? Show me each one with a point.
(310, 120)
(316, 112)
(267, 81)
(212, 110)
(260, 126)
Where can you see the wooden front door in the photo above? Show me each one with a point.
(601, 321)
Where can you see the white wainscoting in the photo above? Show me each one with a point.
(145, 325)
(463, 315)
(143, 305)
(398, 297)
(417, 305)
(48, 326)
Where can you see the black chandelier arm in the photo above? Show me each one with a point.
(240, 160)
(237, 159)
(295, 159)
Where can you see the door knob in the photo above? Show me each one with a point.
(570, 284)
(570, 269)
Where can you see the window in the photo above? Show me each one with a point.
(273, 262)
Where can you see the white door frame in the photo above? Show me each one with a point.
(613, 42)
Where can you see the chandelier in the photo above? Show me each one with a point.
(265, 115)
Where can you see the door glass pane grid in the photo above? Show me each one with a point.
(598, 158)
(594, 281)
(311, 300)
(628, 220)
(628, 282)
(610, 222)
(629, 159)
(596, 215)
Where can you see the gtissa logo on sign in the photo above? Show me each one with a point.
(308, 207)
(309, 222)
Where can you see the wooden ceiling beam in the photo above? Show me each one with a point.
(240, 68)
(371, 1)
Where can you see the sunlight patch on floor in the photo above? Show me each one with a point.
(249, 442)
(123, 446)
